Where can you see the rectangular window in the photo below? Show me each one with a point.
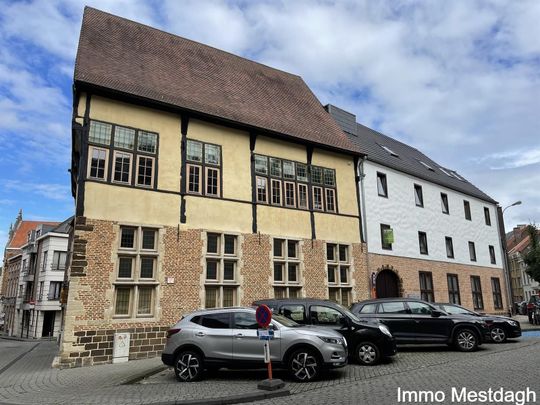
(382, 187)
(317, 198)
(492, 254)
(316, 175)
(59, 261)
(261, 164)
(487, 217)
(330, 199)
(426, 286)
(98, 163)
(472, 251)
(212, 154)
(338, 269)
(422, 242)
(288, 170)
(55, 288)
(100, 132)
(194, 151)
(301, 172)
(147, 142)
(444, 204)
(385, 238)
(221, 283)
(124, 138)
(145, 171)
(194, 179)
(418, 196)
(136, 284)
(286, 264)
(467, 209)
(449, 247)
(289, 194)
(212, 181)
(497, 294)
(275, 167)
(329, 178)
(262, 190)
(476, 288)
(302, 196)
(276, 191)
(122, 167)
(453, 289)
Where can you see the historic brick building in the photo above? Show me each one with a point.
(201, 179)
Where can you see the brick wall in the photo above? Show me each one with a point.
(89, 321)
(407, 270)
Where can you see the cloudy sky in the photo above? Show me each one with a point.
(459, 80)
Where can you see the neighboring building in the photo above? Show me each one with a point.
(430, 233)
(17, 283)
(518, 244)
(201, 179)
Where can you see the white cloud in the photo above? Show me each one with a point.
(51, 191)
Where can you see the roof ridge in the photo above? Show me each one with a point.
(188, 39)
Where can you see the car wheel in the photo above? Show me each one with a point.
(188, 366)
(466, 340)
(304, 365)
(498, 335)
(367, 354)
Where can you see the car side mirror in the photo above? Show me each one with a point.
(344, 321)
(436, 313)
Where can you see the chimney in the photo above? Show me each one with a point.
(345, 119)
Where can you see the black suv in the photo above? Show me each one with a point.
(415, 321)
(500, 327)
(367, 342)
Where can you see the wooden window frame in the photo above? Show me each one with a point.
(383, 245)
(418, 196)
(115, 153)
(151, 185)
(492, 256)
(420, 235)
(200, 182)
(218, 185)
(446, 240)
(445, 205)
(497, 293)
(272, 182)
(333, 192)
(320, 188)
(285, 261)
(220, 257)
(467, 210)
(257, 189)
(305, 186)
(285, 192)
(472, 253)
(487, 216)
(91, 148)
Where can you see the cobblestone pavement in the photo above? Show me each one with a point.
(28, 378)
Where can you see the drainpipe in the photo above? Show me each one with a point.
(361, 176)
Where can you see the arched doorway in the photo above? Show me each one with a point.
(387, 284)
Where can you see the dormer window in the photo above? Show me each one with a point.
(445, 172)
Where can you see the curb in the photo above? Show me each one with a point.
(232, 399)
(146, 374)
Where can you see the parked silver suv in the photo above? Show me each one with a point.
(227, 337)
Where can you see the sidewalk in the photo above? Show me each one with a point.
(524, 322)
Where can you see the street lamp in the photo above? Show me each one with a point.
(511, 205)
(509, 292)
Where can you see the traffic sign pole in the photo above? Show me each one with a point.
(263, 315)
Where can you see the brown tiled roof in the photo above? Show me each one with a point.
(141, 61)
(20, 236)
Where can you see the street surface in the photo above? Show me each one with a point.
(26, 377)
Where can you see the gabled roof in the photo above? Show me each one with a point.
(137, 60)
(391, 153)
(20, 235)
(521, 246)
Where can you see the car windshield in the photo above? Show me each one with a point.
(284, 321)
(348, 313)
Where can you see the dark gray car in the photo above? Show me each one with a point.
(227, 337)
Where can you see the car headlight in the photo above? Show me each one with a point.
(511, 323)
(384, 329)
(331, 340)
